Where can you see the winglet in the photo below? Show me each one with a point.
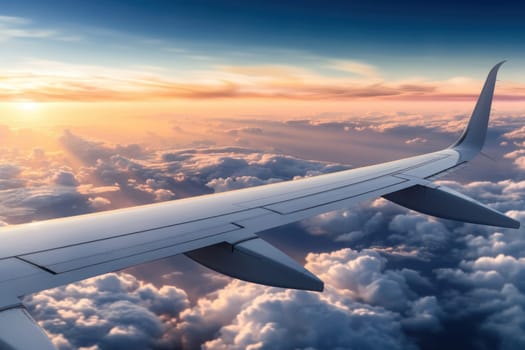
(471, 141)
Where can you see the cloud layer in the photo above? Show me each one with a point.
(354, 81)
(407, 282)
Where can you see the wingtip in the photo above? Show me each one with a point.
(473, 137)
(499, 64)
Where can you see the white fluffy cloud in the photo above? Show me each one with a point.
(238, 182)
(41, 186)
(365, 306)
(361, 308)
(108, 312)
(99, 202)
(299, 320)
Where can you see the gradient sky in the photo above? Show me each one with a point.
(229, 58)
(110, 104)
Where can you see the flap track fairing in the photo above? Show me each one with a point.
(257, 261)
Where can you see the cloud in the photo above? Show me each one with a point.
(243, 315)
(492, 263)
(12, 28)
(268, 323)
(108, 312)
(425, 314)
(416, 140)
(238, 182)
(361, 307)
(44, 202)
(105, 176)
(99, 202)
(163, 195)
(408, 280)
(71, 82)
(119, 311)
(65, 178)
(87, 151)
(355, 67)
(245, 130)
(420, 229)
(385, 226)
(493, 289)
(8, 171)
(516, 134)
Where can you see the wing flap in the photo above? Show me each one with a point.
(257, 261)
(443, 202)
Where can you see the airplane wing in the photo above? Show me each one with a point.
(220, 230)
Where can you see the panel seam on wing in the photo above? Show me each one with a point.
(36, 265)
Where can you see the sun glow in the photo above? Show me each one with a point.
(23, 113)
(28, 106)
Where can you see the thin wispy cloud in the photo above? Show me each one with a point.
(12, 28)
(42, 80)
(355, 67)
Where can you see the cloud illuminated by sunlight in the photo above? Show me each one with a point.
(50, 81)
(355, 67)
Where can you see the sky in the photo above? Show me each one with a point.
(232, 58)
(111, 104)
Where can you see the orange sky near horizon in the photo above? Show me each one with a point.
(134, 104)
(138, 115)
(41, 93)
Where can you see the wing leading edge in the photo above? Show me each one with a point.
(220, 230)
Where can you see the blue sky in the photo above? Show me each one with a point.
(266, 56)
(403, 38)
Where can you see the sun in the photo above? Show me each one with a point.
(28, 106)
(26, 111)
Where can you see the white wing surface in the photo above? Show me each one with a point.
(220, 230)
